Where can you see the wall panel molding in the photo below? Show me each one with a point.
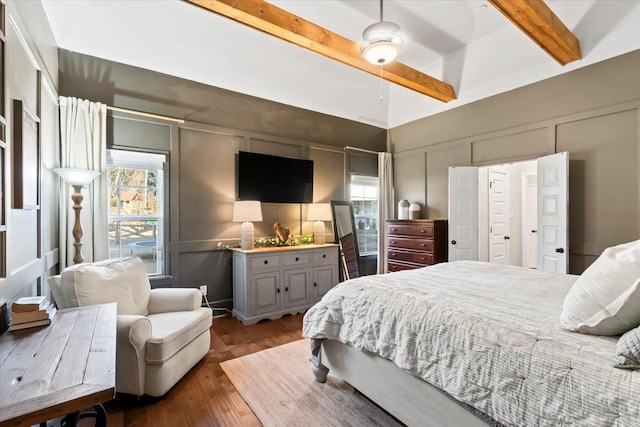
(550, 124)
(21, 280)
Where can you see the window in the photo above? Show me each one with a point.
(136, 207)
(364, 198)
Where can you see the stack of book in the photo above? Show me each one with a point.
(29, 312)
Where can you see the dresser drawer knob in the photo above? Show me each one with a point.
(393, 229)
(422, 230)
(297, 259)
(324, 255)
(266, 262)
(422, 244)
(393, 242)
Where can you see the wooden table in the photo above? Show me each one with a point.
(60, 369)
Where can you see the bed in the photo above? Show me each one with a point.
(469, 344)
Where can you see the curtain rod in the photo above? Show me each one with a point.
(140, 113)
(360, 149)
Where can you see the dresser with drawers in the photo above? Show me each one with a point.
(416, 243)
(271, 282)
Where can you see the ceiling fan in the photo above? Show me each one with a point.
(382, 41)
(533, 17)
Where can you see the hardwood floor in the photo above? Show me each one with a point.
(205, 396)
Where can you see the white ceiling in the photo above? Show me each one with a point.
(466, 43)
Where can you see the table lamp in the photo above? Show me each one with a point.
(246, 211)
(319, 212)
(77, 178)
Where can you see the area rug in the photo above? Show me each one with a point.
(279, 387)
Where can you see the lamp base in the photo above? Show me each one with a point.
(246, 235)
(318, 233)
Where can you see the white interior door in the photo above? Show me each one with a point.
(553, 181)
(463, 213)
(529, 221)
(499, 215)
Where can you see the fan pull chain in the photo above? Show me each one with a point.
(381, 98)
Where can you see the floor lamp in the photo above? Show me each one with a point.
(77, 178)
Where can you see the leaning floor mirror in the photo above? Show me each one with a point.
(345, 232)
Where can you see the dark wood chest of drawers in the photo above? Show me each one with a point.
(416, 243)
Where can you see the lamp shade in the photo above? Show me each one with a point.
(77, 177)
(247, 210)
(319, 212)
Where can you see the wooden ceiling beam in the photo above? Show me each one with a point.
(278, 22)
(542, 26)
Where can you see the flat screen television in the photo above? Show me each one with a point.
(274, 179)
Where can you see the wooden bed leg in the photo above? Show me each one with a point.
(320, 371)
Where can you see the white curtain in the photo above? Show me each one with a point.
(385, 206)
(83, 145)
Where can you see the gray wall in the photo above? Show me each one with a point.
(29, 246)
(138, 89)
(593, 113)
(202, 157)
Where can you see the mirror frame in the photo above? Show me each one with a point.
(336, 204)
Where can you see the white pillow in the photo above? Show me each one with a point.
(605, 300)
(123, 281)
(628, 350)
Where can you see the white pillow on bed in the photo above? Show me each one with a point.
(628, 350)
(605, 300)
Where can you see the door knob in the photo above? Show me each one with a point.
(507, 238)
(560, 250)
(453, 242)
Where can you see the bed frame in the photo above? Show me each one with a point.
(408, 398)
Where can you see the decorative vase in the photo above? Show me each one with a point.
(403, 209)
(414, 211)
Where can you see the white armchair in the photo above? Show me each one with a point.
(161, 333)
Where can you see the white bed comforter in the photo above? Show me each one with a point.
(489, 336)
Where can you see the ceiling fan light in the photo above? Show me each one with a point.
(381, 53)
(382, 42)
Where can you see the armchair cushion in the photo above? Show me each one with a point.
(55, 284)
(163, 300)
(118, 280)
(171, 332)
